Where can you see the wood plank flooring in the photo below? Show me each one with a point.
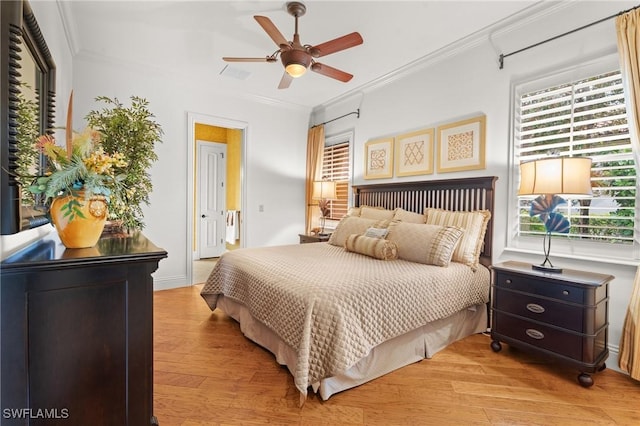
(207, 373)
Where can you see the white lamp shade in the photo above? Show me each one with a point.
(324, 190)
(569, 176)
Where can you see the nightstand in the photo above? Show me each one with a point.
(304, 238)
(561, 316)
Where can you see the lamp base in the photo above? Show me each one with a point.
(549, 269)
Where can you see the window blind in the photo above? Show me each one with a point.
(586, 117)
(335, 167)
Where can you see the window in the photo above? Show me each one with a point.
(581, 117)
(335, 167)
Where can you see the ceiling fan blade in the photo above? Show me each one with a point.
(328, 71)
(336, 45)
(285, 82)
(265, 59)
(272, 30)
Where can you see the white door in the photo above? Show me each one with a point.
(211, 195)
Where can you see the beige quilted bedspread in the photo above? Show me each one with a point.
(333, 306)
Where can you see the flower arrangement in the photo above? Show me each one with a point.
(82, 168)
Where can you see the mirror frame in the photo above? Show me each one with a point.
(19, 30)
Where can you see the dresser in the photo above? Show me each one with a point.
(561, 316)
(77, 333)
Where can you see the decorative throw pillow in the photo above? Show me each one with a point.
(353, 211)
(376, 213)
(373, 247)
(376, 232)
(474, 224)
(407, 216)
(422, 243)
(350, 225)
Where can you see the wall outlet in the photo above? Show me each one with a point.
(261, 208)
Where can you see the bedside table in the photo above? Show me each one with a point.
(561, 316)
(304, 238)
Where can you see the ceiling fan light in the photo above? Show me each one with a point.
(295, 70)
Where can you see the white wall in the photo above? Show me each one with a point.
(464, 81)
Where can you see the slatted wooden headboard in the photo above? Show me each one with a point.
(452, 194)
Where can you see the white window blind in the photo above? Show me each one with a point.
(335, 167)
(586, 117)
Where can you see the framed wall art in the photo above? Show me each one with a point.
(461, 145)
(414, 153)
(378, 157)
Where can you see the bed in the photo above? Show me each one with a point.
(344, 312)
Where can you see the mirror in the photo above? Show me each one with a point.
(27, 71)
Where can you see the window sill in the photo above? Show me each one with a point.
(599, 259)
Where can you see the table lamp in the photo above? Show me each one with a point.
(324, 191)
(550, 178)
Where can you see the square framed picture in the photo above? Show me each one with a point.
(461, 145)
(378, 158)
(414, 153)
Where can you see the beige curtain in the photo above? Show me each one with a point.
(315, 151)
(628, 43)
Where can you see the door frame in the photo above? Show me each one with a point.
(192, 119)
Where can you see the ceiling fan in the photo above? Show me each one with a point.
(297, 57)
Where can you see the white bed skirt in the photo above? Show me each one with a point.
(384, 358)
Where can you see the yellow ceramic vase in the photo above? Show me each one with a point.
(80, 232)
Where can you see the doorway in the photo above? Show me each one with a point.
(223, 228)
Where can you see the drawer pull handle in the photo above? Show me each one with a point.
(535, 334)
(507, 281)
(565, 292)
(535, 308)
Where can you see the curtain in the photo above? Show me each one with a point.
(628, 43)
(315, 152)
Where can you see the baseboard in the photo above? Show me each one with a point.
(167, 283)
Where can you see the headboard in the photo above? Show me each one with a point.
(451, 194)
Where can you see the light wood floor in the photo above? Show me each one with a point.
(207, 373)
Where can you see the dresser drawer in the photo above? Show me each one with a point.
(555, 290)
(543, 310)
(581, 347)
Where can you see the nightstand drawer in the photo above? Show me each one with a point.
(557, 313)
(555, 290)
(584, 348)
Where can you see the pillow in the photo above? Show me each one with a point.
(373, 247)
(422, 243)
(407, 216)
(376, 232)
(475, 225)
(376, 213)
(353, 211)
(350, 225)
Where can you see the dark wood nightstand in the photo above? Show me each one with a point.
(563, 316)
(304, 238)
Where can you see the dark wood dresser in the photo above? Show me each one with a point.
(77, 333)
(563, 316)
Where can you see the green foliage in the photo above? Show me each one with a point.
(28, 129)
(133, 132)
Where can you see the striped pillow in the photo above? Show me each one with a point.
(474, 224)
(370, 246)
(422, 243)
(376, 213)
